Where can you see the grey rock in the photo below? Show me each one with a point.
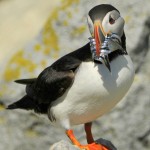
(63, 145)
(106, 143)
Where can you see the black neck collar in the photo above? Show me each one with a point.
(114, 55)
(84, 54)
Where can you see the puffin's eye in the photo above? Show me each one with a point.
(111, 20)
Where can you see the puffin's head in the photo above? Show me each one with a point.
(105, 19)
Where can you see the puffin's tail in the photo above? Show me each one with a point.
(28, 103)
(24, 103)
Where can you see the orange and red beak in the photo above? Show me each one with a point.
(98, 37)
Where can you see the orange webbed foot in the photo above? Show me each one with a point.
(92, 146)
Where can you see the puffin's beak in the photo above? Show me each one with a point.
(97, 36)
(97, 29)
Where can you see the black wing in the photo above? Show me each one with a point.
(54, 80)
(26, 81)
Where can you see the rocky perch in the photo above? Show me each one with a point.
(65, 145)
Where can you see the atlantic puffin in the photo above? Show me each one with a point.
(85, 84)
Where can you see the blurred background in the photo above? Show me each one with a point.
(35, 33)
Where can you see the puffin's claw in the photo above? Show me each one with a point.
(92, 146)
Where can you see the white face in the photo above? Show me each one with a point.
(111, 23)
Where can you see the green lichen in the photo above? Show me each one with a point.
(50, 41)
(78, 31)
(50, 38)
(31, 133)
(19, 62)
(2, 121)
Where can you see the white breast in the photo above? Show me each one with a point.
(94, 92)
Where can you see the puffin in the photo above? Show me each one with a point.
(85, 84)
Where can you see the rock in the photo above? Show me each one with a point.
(63, 145)
(106, 143)
(142, 48)
(65, 27)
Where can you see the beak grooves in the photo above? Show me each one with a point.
(97, 27)
(97, 39)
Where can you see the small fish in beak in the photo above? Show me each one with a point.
(101, 48)
(105, 61)
(100, 51)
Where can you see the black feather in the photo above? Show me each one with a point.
(26, 81)
(12, 106)
(28, 103)
(24, 103)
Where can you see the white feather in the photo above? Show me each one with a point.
(94, 92)
(117, 27)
